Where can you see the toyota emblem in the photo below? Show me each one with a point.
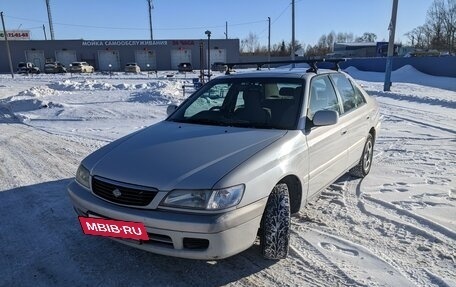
(116, 192)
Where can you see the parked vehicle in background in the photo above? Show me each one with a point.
(231, 163)
(219, 67)
(184, 67)
(80, 67)
(132, 68)
(422, 53)
(27, 68)
(54, 68)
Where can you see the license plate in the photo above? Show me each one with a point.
(113, 228)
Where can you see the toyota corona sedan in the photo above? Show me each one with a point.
(230, 164)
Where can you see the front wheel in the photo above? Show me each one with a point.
(275, 224)
(365, 163)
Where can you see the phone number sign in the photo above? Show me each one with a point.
(16, 35)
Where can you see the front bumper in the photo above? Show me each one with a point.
(169, 232)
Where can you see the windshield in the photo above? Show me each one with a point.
(256, 103)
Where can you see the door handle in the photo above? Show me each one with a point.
(343, 132)
(368, 117)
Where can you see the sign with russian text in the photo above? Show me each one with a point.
(113, 228)
(16, 35)
(124, 43)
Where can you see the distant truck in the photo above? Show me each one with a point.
(27, 68)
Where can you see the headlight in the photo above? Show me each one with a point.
(83, 176)
(205, 199)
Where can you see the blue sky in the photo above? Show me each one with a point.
(179, 19)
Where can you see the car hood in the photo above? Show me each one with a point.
(172, 155)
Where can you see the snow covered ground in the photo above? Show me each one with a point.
(396, 227)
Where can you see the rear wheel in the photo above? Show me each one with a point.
(365, 162)
(275, 224)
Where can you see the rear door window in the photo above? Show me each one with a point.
(351, 97)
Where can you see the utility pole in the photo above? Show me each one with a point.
(208, 33)
(151, 6)
(269, 39)
(51, 26)
(292, 31)
(44, 31)
(201, 47)
(389, 59)
(7, 45)
(226, 30)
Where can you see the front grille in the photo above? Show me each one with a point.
(122, 193)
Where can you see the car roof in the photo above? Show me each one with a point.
(296, 73)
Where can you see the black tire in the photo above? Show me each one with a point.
(275, 224)
(365, 162)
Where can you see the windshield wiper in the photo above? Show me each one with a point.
(245, 124)
(202, 121)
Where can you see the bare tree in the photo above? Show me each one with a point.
(439, 30)
(250, 44)
(367, 37)
(435, 22)
(450, 24)
(344, 37)
(331, 39)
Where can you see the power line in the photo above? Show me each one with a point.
(134, 28)
(277, 18)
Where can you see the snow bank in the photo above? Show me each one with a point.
(97, 85)
(87, 85)
(29, 100)
(158, 92)
(405, 74)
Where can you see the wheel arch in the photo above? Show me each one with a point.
(295, 191)
(373, 133)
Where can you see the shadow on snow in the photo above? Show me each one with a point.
(42, 244)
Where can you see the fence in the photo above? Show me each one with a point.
(444, 66)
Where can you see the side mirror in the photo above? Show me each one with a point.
(325, 118)
(171, 108)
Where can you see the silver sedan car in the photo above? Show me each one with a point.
(230, 164)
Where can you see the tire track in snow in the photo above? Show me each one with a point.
(341, 211)
(366, 259)
(424, 124)
(318, 264)
(30, 156)
(432, 229)
(434, 249)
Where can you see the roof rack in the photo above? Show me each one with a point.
(312, 63)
